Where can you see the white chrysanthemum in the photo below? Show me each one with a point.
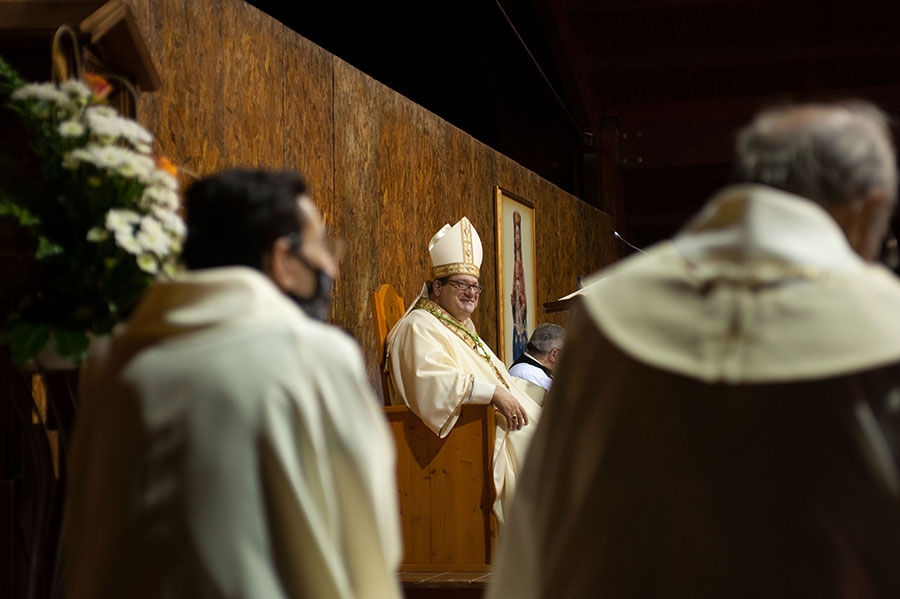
(170, 220)
(143, 148)
(160, 196)
(132, 164)
(71, 129)
(47, 92)
(148, 263)
(76, 89)
(153, 237)
(125, 239)
(116, 127)
(159, 178)
(126, 162)
(137, 134)
(122, 220)
(101, 111)
(103, 126)
(97, 234)
(143, 165)
(105, 156)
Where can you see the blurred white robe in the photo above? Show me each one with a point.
(712, 413)
(435, 370)
(227, 445)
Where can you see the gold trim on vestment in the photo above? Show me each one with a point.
(469, 338)
(428, 305)
(454, 268)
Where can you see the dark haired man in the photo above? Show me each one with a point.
(722, 421)
(228, 445)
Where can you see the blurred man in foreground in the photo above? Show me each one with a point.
(228, 445)
(723, 418)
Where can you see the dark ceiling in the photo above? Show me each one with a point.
(459, 59)
(660, 85)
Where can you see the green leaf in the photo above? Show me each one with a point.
(25, 340)
(9, 79)
(72, 344)
(47, 248)
(8, 207)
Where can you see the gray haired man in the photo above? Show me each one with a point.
(537, 364)
(723, 418)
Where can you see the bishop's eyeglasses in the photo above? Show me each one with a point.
(461, 286)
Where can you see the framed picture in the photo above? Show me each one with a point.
(516, 270)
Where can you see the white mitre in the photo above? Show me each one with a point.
(455, 250)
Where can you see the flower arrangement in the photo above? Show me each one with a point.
(101, 211)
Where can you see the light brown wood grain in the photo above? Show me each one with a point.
(445, 490)
(241, 89)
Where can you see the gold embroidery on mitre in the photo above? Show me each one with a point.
(468, 256)
(454, 268)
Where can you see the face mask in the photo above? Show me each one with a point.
(318, 305)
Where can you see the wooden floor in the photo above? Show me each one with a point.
(444, 585)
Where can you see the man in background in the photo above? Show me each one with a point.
(228, 445)
(722, 422)
(536, 365)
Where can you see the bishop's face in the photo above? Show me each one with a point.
(458, 295)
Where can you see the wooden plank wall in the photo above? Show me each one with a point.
(240, 89)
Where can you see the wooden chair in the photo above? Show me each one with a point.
(445, 485)
(387, 309)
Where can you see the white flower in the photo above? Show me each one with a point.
(152, 236)
(137, 134)
(160, 196)
(102, 111)
(159, 178)
(97, 234)
(119, 221)
(76, 89)
(112, 126)
(147, 263)
(143, 148)
(47, 92)
(143, 165)
(105, 156)
(170, 220)
(71, 129)
(125, 239)
(122, 160)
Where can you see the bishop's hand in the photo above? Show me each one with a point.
(510, 408)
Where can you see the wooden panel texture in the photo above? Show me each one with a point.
(240, 89)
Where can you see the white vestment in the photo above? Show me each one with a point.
(227, 445)
(436, 368)
(717, 424)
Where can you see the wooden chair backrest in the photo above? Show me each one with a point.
(387, 309)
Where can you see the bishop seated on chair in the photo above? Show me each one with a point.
(438, 363)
